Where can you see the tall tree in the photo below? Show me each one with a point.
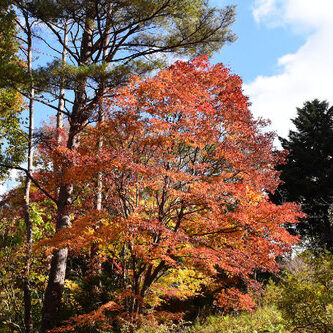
(109, 40)
(308, 174)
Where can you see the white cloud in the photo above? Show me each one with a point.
(305, 74)
(306, 13)
(267, 10)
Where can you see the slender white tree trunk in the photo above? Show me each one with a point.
(61, 102)
(27, 218)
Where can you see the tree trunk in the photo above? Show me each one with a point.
(61, 102)
(101, 116)
(28, 224)
(80, 114)
(54, 289)
(100, 173)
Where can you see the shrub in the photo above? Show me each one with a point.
(266, 319)
(305, 294)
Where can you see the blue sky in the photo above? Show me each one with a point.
(284, 53)
(258, 47)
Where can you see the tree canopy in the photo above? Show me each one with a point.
(185, 167)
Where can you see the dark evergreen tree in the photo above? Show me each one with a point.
(308, 174)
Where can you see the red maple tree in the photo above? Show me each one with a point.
(186, 170)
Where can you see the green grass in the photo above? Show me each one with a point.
(266, 319)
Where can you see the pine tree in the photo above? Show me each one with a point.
(308, 174)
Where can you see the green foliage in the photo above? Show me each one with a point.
(41, 220)
(152, 327)
(8, 46)
(11, 68)
(266, 319)
(305, 295)
(13, 250)
(12, 139)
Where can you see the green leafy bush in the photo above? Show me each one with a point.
(305, 294)
(265, 319)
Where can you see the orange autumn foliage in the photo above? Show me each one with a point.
(186, 170)
(95, 317)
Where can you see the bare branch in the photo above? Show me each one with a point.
(32, 179)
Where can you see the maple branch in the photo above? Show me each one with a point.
(151, 276)
(226, 231)
(180, 215)
(32, 179)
